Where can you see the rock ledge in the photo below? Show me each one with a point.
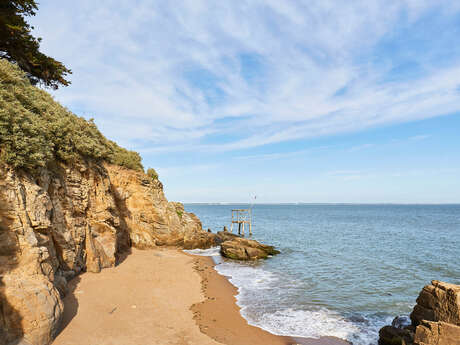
(435, 319)
(239, 248)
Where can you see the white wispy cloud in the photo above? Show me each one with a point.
(282, 155)
(420, 137)
(166, 76)
(360, 147)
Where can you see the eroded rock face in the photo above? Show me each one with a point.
(239, 248)
(435, 319)
(437, 333)
(437, 315)
(438, 302)
(58, 223)
(151, 219)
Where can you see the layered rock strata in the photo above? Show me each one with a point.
(437, 333)
(150, 219)
(59, 222)
(435, 319)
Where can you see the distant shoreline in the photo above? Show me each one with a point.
(323, 204)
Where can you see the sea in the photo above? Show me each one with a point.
(345, 270)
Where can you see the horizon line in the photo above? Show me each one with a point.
(323, 203)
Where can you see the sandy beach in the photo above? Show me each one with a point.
(160, 297)
(144, 300)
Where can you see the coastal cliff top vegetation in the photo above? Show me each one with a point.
(36, 131)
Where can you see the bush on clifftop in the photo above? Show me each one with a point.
(152, 173)
(35, 130)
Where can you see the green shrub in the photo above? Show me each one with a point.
(121, 156)
(152, 174)
(35, 130)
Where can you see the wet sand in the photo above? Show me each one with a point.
(161, 297)
(219, 316)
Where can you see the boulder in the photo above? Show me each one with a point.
(239, 248)
(438, 302)
(31, 310)
(401, 322)
(435, 319)
(437, 333)
(390, 335)
(223, 236)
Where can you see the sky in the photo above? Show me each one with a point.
(289, 101)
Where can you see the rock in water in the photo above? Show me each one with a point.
(437, 315)
(401, 322)
(437, 333)
(223, 236)
(390, 335)
(438, 302)
(239, 248)
(435, 319)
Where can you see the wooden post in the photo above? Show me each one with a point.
(242, 217)
(231, 226)
(250, 222)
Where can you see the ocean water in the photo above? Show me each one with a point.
(344, 270)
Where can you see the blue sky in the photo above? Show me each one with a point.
(292, 101)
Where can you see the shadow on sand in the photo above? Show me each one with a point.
(123, 245)
(70, 304)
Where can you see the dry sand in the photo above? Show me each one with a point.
(144, 300)
(157, 297)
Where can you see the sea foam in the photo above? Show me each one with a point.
(254, 283)
(344, 270)
(213, 251)
(320, 323)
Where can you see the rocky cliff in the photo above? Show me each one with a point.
(435, 319)
(73, 218)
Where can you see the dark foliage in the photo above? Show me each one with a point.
(35, 130)
(19, 46)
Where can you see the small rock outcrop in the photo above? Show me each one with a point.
(390, 335)
(401, 322)
(438, 302)
(238, 248)
(435, 319)
(437, 333)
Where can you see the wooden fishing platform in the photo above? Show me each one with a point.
(241, 217)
